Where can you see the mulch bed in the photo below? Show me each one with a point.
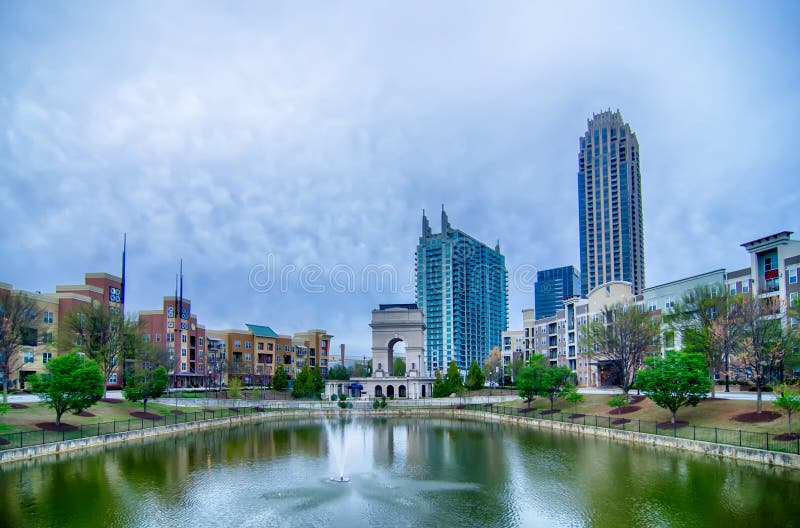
(233, 409)
(111, 400)
(461, 406)
(18, 406)
(146, 415)
(765, 416)
(620, 421)
(488, 404)
(787, 436)
(637, 399)
(523, 411)
(3, 441)
(259, 409)
(51, 426)
(624, 410)
(208, 410)
(576, 415)
(85, 414)
(176, 411)
(550, 411)
(669, 425)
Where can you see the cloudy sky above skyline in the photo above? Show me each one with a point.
(304, 139)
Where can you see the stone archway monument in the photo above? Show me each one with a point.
(392, 323)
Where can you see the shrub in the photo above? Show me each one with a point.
(383, 402)
(376, 404)
(334, 397)
(618, 401)
(343, 404)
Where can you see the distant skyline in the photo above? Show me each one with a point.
(252, 138)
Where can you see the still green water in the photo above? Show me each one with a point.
(437, 473)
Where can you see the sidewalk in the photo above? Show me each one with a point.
(733, 395)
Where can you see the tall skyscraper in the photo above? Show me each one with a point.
(462, 290)
(610, 204)
(552, 287)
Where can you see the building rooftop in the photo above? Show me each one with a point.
(770, 240)
(408, 306)
(261, 331)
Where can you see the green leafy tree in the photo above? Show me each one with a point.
(235, 387)
(529, 383)
(338, 372)
(475, 377)
(621, 338)
(555, 383)
(72, 383)
(789, 401)
(453, 378)
(439, 386)
(19, 321)
(675, 381)
(308, 383)
(399, 367)
(146, 384)
(574, 397)
(280, 380)
(620, 400)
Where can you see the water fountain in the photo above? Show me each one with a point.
(338, 451)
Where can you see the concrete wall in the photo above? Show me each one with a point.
(706, 448)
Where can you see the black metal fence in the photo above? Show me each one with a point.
(39, 437)
(717, 435)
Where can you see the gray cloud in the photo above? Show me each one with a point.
(318, 133)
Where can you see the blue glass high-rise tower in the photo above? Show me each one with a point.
(463, 292)
(610, 204)
(552, 287)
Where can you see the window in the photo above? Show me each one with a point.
(237, 344)
(745, 286)
(183, 366)
(158, 338)
(183, 338)
(669, 302)
(183, 352)
(112, 378)
(146, 338)
(171, 311)
(261, 346)
(793, 276)
(47, 337)
(793, 299)
(46, 356)
(170, 338)
(733, 288)
(652, 306)
(269, 347)
(247, 345)
(669, 340)
(28, 356)
(47, 317)
(247, 357)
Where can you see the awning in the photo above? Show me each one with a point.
(355, 386)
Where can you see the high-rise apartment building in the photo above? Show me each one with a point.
(462, 290)
(610, 204)
(552, 287)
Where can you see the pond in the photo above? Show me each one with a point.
(402, 473)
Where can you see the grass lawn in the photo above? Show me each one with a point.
(16, 420)
(708, 413)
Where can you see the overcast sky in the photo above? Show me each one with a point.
(303, 138)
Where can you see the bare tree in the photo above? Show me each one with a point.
(704, 318)
(622, 336)
(101, 333)
(19, 320)
(764, 342)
